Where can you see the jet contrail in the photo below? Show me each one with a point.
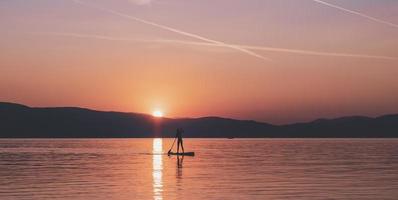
(318, 53)
(91, 36)
(357, 13)
(183, 42)
(175, 30)
(285, 50)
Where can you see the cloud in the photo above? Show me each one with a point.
(174, 30)
(183, 42)
(141, 2)
(380, 21)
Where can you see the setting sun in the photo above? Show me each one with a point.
(157, 113)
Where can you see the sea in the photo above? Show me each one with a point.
(221, 169)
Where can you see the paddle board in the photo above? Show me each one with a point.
(182, 154)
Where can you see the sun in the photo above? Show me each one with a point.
(157, 113)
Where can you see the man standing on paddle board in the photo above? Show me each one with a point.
(179, 139)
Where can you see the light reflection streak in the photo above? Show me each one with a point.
(157, 169)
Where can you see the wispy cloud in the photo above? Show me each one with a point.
(174, 30)
(357, 13)
(183, 42)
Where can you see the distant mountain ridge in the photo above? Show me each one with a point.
(20, 121)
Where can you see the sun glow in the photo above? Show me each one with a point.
(157, 113)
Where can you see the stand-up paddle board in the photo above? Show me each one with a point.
(182, 154)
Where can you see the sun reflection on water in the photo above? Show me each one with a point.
(157, 169)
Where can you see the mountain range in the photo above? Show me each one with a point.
(20, 121)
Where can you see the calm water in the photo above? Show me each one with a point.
(221, 169)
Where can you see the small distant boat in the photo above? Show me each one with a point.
(182, 154)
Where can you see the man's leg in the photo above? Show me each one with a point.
(182, 146)
(178, 146)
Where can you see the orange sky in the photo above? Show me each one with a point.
(202, 58)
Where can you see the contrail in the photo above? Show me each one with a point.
(285, 50)
(318, 53)
(183, 42)
(91, 36)
(175, 30)
(357, 13)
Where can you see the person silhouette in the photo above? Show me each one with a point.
(179, 140)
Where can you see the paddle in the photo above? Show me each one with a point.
(168, 153)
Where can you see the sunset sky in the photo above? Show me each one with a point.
(277, 61)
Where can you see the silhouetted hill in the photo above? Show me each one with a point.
(19, 121)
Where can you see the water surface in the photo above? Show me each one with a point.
(221, 169)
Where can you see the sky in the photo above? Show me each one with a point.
(276, 61)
